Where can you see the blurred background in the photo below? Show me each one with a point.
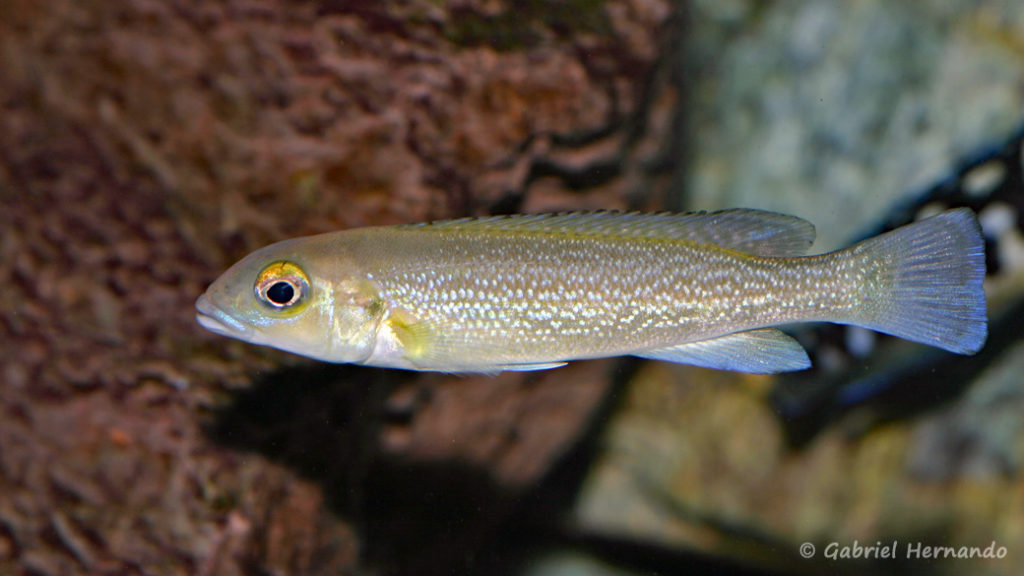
(145, 145)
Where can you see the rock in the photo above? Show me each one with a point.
(834, 111)
(145, 146)
(695, 461)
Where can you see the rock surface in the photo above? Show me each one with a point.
(834, 112)
(146, 145)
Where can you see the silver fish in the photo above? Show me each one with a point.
(531, 292)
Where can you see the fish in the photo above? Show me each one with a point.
(535, 291)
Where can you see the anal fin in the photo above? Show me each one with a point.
(531, 367)
(762, 351)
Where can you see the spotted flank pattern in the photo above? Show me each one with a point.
(531, 292)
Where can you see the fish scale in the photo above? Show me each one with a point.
(532, 292)
(595, 296)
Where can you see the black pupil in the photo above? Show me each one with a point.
(281, 293)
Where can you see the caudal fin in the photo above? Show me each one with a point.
(930, 289)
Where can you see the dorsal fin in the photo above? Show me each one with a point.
(745, 230)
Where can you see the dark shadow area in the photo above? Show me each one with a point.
(413, 518)
(324, 421)
(320, 420)
(431, 518)
(428, 518)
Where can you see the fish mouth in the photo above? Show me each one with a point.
(218, 321)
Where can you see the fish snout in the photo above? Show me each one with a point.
(216, 320)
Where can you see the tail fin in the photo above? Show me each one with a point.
(930, 289)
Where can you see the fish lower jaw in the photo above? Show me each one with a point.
(214, 325)
(209, 316)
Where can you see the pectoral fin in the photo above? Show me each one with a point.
(428, 348)
(416, 338)
(764, 351)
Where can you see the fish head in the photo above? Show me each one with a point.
(299, 296)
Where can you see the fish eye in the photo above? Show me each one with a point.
(281, 293)
(282, 285)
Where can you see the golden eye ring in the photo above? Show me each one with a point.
(282, 285)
